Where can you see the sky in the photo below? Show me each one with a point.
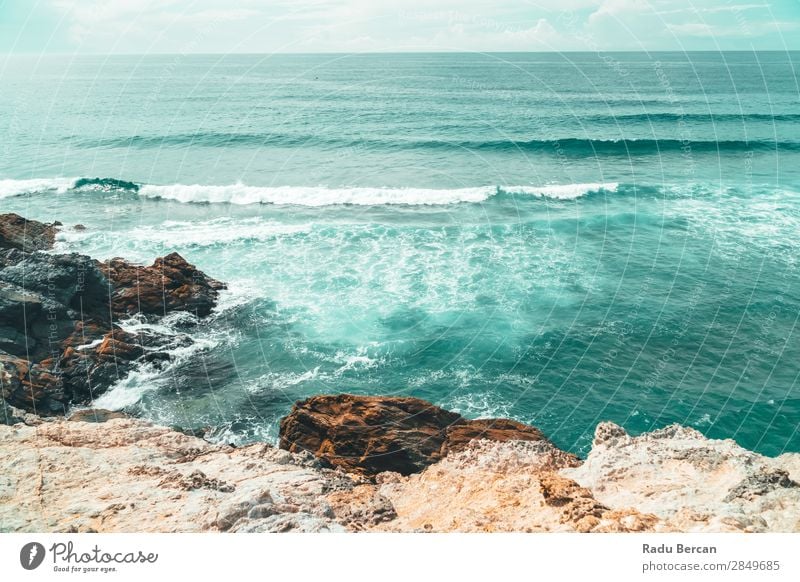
(286, 26)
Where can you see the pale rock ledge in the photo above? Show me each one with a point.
(126, 475)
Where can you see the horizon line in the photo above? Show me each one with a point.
(414, 52)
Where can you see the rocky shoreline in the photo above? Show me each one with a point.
(344, 462)
(127, 475)
(61, 342)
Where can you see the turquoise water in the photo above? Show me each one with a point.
(560, 239)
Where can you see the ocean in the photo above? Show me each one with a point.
(561, 239)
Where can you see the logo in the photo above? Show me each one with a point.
(31, 555)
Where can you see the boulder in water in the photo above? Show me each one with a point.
(20, 233)
(372, 434)
(169, 284)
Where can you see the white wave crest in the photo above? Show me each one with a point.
(242, 194)
(316, 195)
(10, 188)
(562, 191)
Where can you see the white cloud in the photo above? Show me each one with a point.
(382, 25)
(750, 29)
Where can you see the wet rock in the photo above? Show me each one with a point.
(373, 434)
(72, 280)
(169, 284)
(10, 257)
(17, 232)
(31, 325)
(10, 415)
(59, 340)
(89, 369)
(32, 387)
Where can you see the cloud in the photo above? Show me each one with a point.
(142, 26)
(745, 30)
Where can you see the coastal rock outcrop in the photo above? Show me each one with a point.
(111, 474)
(373, 434)
(60, 338)
(691, 482)
(502, 487)
(169, 284)
(19, 233)
(125, 475)
(668, 480)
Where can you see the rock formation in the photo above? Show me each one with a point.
(125, 475)
(60, 341)
(26, 235)
(691, 482)
(169, 284)
(372, 434)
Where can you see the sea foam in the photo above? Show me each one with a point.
(10, 187)
(316, 195)
(324, 196)
(242, 194)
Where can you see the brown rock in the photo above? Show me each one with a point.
(373, 434)
(93, 360)
(169, 284)
(33, 387)
(20, 233)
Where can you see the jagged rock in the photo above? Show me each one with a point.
(73, 280)
(91, 368)
(10, 257)
(59, 343)
(31, 387)
(17, 232)
(8, 414)
(372, 434)
(762, 483)
(169, 284)
(690, 482)
(459, 435)
(502, 487)
(361, 507)
(126, 475)
(31, 325)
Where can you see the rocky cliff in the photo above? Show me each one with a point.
(126, 475)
